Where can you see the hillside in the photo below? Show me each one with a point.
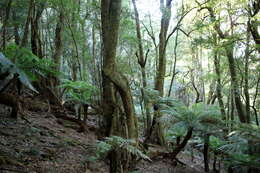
(41, 143)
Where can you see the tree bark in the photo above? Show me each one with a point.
(232, 107)
(254, 23)
(157, 132)
(49, 86)
(58, 51)
(253, 28)
(142, 62)
(206, 153)
(219, 85)
(254, 101)
(36, 45)
(27, 24)
(182, 145)
(232, 68)
(5, 23)
(165, 21)
(16, 29)
(121, 120)
(234, 85)
(211, 92)
(246, 87)
(174, 63)
(214, 166)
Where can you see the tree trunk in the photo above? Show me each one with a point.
(58, 52)
(16, 29)
(211, 94)
(232, 68)
(5, 23)
(174, 64)
(49, 86)
(246, 87)
(253, 23)
(121, 120)
(165, 21)
(215, 163)
(232, 107)
(142, 62)
(254, 31)
(234, 84)
(85, 109)
(206, 153)
(219, 86)
(37, 9)
(254, 101)
(26, 27)
(158, 133)
(182, 145)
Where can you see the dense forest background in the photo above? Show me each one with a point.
(159, 78)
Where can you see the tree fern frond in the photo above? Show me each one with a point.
(8, 67)
(116, 142)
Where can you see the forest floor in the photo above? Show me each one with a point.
(45, 144)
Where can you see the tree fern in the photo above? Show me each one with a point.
(6, 66)
(119, 143)
(29, 63)
(79, 91)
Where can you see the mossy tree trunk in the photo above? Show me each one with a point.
(26, 26)
(58, 52)
(219, 85)
(36, 43)
(253, 23)
(118, 113)
(232, 67)
(246, 77)
(157, 131)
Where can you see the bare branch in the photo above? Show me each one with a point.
(178, 24)
(146, 56)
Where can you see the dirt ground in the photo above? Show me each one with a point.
(45, 144)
